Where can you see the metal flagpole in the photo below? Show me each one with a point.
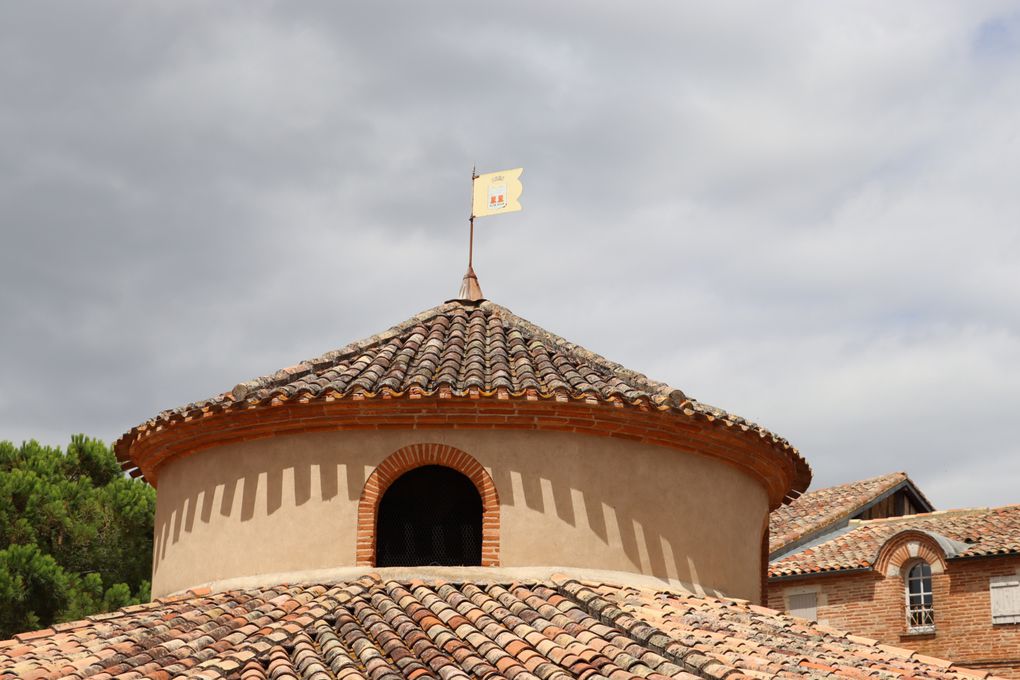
(471, 238)
(469, 289)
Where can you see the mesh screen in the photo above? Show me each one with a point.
(431, 515)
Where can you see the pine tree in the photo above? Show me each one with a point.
(75, 534)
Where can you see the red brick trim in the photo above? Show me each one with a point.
(896, 552)
(762, 458)
(417, 455)
(764, 600)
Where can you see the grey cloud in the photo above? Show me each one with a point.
(811, 208)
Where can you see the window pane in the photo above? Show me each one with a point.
(920, 602)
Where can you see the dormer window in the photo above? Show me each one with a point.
(920, 603)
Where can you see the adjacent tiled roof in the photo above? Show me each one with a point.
(463, 349)
(988, 531)
(386, 630)
(817, 510)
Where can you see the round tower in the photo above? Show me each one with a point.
(463, 436)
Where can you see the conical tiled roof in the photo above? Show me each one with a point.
(463, 349)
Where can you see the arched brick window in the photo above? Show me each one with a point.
(914, 557)
(920, 601)
(416, 456)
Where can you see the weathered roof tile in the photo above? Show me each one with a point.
(817, 510)
(386, 630)
(986, 531)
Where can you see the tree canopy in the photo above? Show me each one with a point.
(75, 534)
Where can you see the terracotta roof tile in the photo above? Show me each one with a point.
(479, 350)
(387, 630)
(816, 510)
(986, 531)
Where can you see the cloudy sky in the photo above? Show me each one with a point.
(806, 213)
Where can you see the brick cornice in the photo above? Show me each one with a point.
(409, 458)
(739, 446)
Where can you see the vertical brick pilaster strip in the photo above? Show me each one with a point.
(418, 455)
(765, 564)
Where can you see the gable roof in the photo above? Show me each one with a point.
(818, 512)
(377, 629)
(459, 349)
(985, 531)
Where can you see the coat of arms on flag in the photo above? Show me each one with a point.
(497, 196)
(497, 192)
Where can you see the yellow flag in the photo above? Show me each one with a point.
(497, 192)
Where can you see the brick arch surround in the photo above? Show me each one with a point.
(414, 456)
(904, 548)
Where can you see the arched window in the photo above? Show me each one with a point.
(920, 604)
(431, 515)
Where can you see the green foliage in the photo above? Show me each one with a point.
(75, 534)
(33, 589)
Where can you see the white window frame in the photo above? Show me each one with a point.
(920, 617)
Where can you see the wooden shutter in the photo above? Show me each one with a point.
(1005, 592)
(804, 605)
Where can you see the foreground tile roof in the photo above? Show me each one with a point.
(986, 531)
(386, 630)
(462, 349)
(818, 510)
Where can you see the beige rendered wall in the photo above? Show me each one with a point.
(290, 504)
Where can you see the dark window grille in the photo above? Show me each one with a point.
(430, 516)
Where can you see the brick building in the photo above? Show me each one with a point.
(945, 583)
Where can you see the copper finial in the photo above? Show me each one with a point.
(470, 291)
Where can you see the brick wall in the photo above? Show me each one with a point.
(873, 605)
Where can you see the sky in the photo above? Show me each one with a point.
(805, 213)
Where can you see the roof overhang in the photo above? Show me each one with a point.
(779, 467)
